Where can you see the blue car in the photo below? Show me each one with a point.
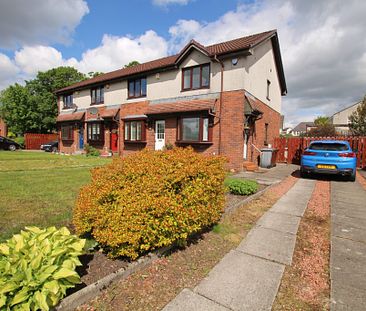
(329, 157)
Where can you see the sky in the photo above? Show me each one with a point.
(322, 42)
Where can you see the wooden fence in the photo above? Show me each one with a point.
(290, 149)
(34, 141)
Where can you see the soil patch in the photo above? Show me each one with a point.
(306, 284)
(156, 285)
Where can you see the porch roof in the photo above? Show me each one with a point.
(75, 116)
(109, 113)
(181, 106)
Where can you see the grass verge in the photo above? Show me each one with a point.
(305, 284)
(155, 286)
(40, 188)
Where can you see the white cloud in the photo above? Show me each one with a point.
(114, 52)
(8, 71)
(168, 2)
(24, 22)
(32, 59)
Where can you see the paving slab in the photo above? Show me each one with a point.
(349, 231)
(280, 222)
(348, 298)
(190, 301)
(349, 221)
(348, 246)
(242, 282)
(269, 244)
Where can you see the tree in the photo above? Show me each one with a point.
(358, 120)
(33, 107)
(93, 74)
(326, 130)
(321, 120)
(131, 64)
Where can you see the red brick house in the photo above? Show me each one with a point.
(221, 99)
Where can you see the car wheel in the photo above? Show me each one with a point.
(353, 177)
(12, 148)
(303, 174)
(54, 149)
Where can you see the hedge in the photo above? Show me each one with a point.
(151, 199)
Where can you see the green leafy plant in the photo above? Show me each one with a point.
(20, 140)
(91, 151)
(37, 266)
(241, 187)
(151, 199)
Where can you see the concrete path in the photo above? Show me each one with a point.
(348, 246)
(248, 277)
(269, 176)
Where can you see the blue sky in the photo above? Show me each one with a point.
(324, 58)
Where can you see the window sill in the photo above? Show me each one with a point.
(185, 142)
(144, 96)
(196, 89)
(67, 140)
(99, 103)
(135, 141)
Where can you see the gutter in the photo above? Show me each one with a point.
(220, 106)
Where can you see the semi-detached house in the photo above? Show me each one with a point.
(222, 99)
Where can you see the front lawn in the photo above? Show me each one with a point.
(40, 188)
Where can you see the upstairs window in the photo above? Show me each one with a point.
(197, 77)
(95, 132)
(268, 89)
(134, 131)
(194, 129)
(67, 132)
(97, 95)
(137, 88)
(68, 101)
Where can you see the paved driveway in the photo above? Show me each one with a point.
(348, 246)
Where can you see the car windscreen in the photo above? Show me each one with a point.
(329, 146)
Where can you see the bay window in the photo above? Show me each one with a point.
(194, 129)
(196, 77)
(67, 132)
(134, 131)
(95, 132)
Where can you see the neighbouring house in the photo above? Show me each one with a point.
(340, 119)
(222, 99)
(302, 128)
(3, 128)
(286, 131)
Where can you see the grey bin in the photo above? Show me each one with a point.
(268, 157)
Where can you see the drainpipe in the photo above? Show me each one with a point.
(220, 107)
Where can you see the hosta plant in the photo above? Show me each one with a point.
(37, 266)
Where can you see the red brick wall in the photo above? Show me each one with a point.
(3, 128)
(232, 127)
(273, 118)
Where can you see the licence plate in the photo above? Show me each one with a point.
(329, 167)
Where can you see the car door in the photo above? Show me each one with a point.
(2, 142)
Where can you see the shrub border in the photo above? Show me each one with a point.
(89, 292)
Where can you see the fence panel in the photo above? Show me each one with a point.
(290, 149)
(34, 141)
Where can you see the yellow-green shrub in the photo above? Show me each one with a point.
(151, 199)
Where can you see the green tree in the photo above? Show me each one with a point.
(321, 120)
(326, 130)
(132, 63)
(93, 74)
(358, 120)
(33, 107)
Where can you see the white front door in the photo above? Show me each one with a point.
(159, 134)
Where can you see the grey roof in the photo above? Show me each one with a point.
(301, 127)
